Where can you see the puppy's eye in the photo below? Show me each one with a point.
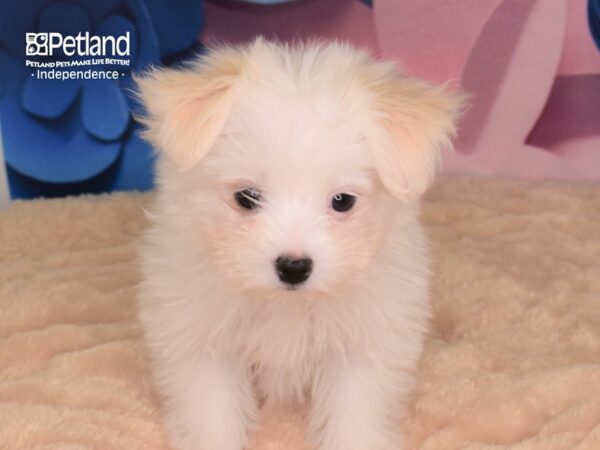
(248, 198)
(343, 202)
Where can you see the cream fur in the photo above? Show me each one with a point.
(300, 124)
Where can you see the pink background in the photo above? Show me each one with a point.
(531, 66)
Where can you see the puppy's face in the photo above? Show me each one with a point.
(287, 159)
(292, 199)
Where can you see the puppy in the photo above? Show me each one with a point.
(285, 259)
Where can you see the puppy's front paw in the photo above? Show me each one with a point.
(351, 435)
(202, 436)
(353, 407)
(209, 406)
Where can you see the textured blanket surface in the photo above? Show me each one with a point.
(513, 360)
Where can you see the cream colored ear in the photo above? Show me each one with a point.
(419, 120)
(187, 107)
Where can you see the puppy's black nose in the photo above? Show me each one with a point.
(293, 271)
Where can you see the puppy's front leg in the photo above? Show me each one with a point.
(352, 405)
(209, 404)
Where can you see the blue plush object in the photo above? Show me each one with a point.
(594, 20)
(177, 23)
(72, 136)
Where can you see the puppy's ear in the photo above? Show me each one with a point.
(418, 122)
(187, 107)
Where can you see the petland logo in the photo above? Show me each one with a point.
(84, 44)
(81, 57)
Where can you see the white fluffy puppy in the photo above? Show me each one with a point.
(285, 257)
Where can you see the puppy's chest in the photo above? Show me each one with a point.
(282, 351)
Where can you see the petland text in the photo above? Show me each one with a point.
(84, 44)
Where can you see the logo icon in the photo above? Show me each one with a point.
(36, 44)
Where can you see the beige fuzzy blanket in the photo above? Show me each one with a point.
(513, 361)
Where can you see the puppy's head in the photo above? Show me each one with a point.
(290, 163)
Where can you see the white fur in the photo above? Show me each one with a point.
(300, 123)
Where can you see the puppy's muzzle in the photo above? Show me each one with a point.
(293, 271)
